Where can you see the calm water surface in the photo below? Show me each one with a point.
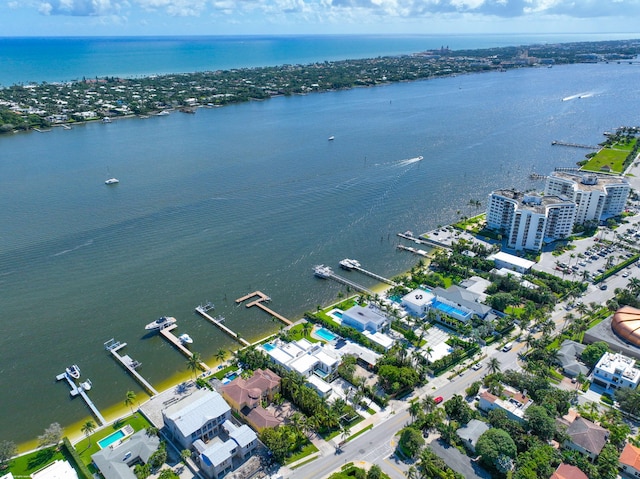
(214, 205)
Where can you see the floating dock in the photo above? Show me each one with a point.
(355, 265)
(262, 298)
(129, 364)
(325, 272)
(169, 336)
(79, 391)
(218, 323)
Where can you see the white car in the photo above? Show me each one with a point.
(476, 366)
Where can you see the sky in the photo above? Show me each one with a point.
(256, 17)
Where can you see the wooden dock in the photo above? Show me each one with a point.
(79, 391)
(262, 298)
(129, 364)
(574, 145)
(382, 279)
(218, 323)
(169, 336)
(425, 241)
(411, 249)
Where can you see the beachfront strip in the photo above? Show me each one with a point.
(445, 329)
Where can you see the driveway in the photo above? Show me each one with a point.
(458, 461)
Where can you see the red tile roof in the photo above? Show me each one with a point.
(565, 471)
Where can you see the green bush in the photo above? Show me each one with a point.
(80, 466)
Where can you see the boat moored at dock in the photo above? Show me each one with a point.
(322, 271)
(185, 339)
(73, 371)
(349, 264)
(160, 323)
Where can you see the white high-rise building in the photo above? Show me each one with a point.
(527, 221)
(597, 197)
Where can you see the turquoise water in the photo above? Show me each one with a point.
(36, 59)
(111, 438)
(215, 205)
(325, 334)
(268, 347)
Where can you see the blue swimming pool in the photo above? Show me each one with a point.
(268, 347)
(111, 438)
(325, 334)
(445, 308)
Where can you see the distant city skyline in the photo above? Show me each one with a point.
(258, 17)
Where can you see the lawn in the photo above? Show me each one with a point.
(30, 463)
(608, 157)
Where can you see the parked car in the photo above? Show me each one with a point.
(438, 399)
(476, 366)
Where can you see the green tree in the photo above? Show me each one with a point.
(473, 389)
(374, 472)
(8, 449)
(540, 422)
(221, 354)
(185, 454)
(458, 410)
(51, 435)
(88, 428)
(607, 462)
(493, 444)
(493, 365)
(411, 441)
(142, 471)
(629, 400)
(593, 352)
(130, 399)
(159, 457)
(193, 363)
(167, 474)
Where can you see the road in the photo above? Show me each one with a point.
(377, 445)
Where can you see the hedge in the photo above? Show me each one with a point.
(615, 269)
(80, 465)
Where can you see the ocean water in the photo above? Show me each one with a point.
(33, 59)
(250, 197)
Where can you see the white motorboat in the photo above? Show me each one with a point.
(73, 371)
(86, 385)
(185, 339)
(112, 181)
(160, 323)
(331, 138)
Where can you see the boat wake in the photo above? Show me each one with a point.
(578, 95)
(63, 252)
(410, 161)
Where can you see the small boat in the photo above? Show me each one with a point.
(162, 113)
(185, 339)
(73, 371)
(86, 385)
(331, 138)
(106, 119)
(160, 323)
(112, 181)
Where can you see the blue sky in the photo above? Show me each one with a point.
(224, 17)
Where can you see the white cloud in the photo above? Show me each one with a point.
(357, 10)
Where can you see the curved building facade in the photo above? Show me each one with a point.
(626, 324)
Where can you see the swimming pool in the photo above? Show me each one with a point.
(268, 347)
(445, 308)
(325, 334)
(111, 438)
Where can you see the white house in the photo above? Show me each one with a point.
(616, 371)
(198, 416)
(364, 319)
(512, 262)
(417, 302)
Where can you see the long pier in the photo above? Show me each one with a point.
(425, 241)
(325, 272)
(79, 391)
(219, 325)
(169, 336)
(382, 279)
(129, 364)
(574, 145)
(262, 298)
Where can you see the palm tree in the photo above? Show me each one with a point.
(221, 354)
(428, 403)
(193, 363)
(306, 328)
(130, 399)
(88, 428)
(634, 285)
(494, 365)
(582, 309)
(414, 409)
